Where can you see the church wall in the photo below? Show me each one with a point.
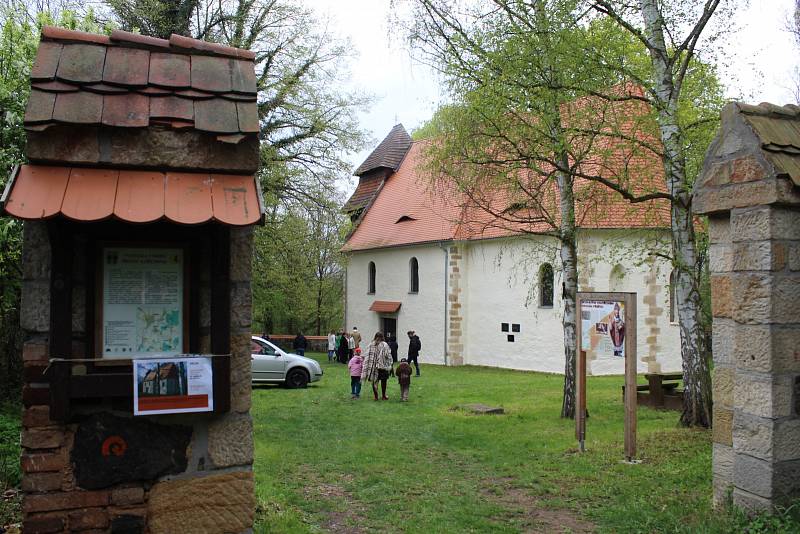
(423, 311)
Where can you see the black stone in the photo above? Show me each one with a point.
(110, 450)
(127, 524)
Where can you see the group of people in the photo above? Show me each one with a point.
(342, 345)
(378, 365)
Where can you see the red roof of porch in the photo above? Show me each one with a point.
(385, 306)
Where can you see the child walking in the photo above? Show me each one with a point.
(403, 373)
(356, 365)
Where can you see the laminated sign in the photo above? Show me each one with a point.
(174, 385)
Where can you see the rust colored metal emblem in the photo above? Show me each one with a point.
(114, 445)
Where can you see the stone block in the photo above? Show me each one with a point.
(35, 306)
(722, 345)
(720, 257)
(210, 504)
(43, 462)
(752, 303)
(763, 396)
(241, 374)
(88, 518)
(128, 524)
(750, 502)
(786, 487)
(719, 229)
(753, 475)
(241, 254)
(786, 440)
(722, 432)
(67, 500)
(764, 223)
(768, 348)
(230, 440)
(721, 296)
(753, 436)
(43, 525)
(786, 299)
(42, 438)
(723, 386)
(722, 489)
(722, 462)
(793, 256)
(34, 352)
(757, 256)
(34, 482)
(746, 169)
(35, 251)
(127, 496)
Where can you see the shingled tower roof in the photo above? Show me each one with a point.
(390, 153)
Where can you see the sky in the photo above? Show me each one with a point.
(762, 57)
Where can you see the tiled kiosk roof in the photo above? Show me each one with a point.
(139, 129)
(778, 129)
(132, 81)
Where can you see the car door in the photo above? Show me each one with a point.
(269, 362)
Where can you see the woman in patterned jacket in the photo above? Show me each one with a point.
(377, 365)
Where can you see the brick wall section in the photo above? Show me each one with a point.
(455, 313)
(754, 215)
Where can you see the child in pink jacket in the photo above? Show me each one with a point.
(355, 365)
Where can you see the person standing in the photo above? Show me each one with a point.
(331, 346)
(356, 336)
(403, 373)
(351, 346)
(376, 365)
(355, 366)
(341, 348)
(393, 346)
(414, 346)
(299, 344)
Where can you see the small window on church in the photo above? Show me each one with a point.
(515, 328)
(510, 338)
(371, 277)
(504, 327)
(546, 286)
(413, 268)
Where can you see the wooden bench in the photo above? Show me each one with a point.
(661, 391)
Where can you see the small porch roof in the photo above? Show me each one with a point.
(385, 306)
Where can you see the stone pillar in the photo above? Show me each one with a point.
(754, 217)
(455, 313)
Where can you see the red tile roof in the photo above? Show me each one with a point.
(389, 153)
(410, 210)
(124, 81)
(85, 194)
(385, 306)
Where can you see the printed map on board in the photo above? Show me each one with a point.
(158, 330)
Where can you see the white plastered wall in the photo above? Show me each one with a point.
(499, 280)
(423, 312)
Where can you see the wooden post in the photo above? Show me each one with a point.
(221, 291)
(630, 377)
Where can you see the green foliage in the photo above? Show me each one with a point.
(9, 447)
(323, 459)
(158, 18)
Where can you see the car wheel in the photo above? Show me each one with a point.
(297, 378)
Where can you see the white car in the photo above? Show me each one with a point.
(270, 364)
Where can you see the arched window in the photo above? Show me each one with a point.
(673, 304)
(616, 280)
(546, 285)
(413, 271)
(371, 277)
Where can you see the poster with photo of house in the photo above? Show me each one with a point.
(173, 385)
(603, 328)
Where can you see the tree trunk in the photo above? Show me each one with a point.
(696, 375)
(569, 266)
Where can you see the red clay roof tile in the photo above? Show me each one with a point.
(243, 77)
(40, 107)
(180, 41)
(39, 192)
(218, 116)
(140, 196)
(62, 34)
(136, 38)
(155, 91)
(55, 87)
(248, 117)
(212, 74)
(105, 89)
(90, 194)
(80, 108)
(385, 306)
(81, 63)
(46, 63)
(128, 110)
(171, 107)
(187, 198)
(170, 70)
(127, 66)
(195, 95)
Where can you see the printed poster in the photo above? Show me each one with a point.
(603, 328)
(142, 302)
(174, 385)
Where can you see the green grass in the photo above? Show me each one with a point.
(9, 462)
(326, 462)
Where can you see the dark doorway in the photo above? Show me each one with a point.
(389, 325)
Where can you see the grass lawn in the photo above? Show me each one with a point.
(326, 462)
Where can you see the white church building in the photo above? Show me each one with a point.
(483, 296)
